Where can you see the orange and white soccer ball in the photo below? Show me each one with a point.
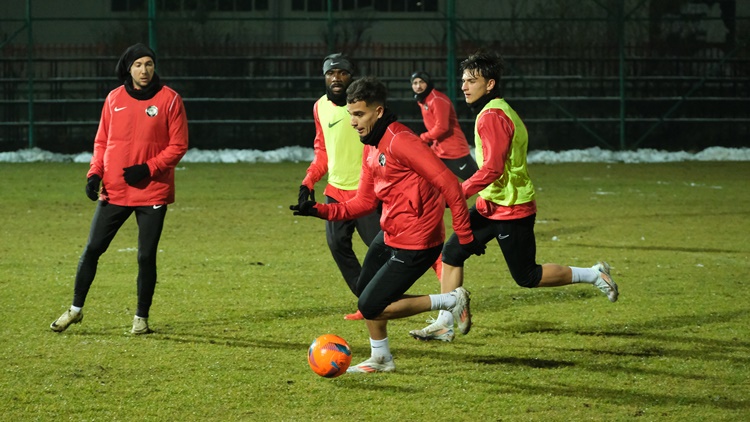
(329, 355)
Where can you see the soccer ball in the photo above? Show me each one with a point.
(329, 356)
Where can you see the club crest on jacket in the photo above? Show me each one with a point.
(152, 111)
(381, 160)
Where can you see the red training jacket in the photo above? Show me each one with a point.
(413, 185)
(133, 132)
(443, 130)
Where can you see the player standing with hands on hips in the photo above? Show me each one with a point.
(413, 185)
(338, 153)
(142, 135)
(505, 209)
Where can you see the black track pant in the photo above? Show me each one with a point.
(387, 274)
(107, 221)
(339, 236)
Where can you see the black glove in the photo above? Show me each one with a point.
(305, 194)
(92, 187)
(473, 247)
(306, 208)
(136, 173)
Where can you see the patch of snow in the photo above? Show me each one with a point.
(301, 154)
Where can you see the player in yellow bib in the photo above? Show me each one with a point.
(338, 153)
(505, 209)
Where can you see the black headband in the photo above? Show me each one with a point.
(337, 61)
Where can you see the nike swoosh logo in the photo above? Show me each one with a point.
(156, 207)
(462, 167)
(120, 108)
(501, 237)
(330, 125)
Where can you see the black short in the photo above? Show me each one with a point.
(517, 242)
(387, 273)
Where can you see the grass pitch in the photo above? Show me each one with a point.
(244, 287)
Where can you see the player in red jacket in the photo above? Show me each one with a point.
(444, 134)
(338, 156)
(142, 135)
(448, 142)
(413, 185)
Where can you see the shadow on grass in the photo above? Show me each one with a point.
(645, 340)
(623, 396)
(646, 330)
(527, 362)
(544, 232)
(354, 381)
(500, 299)
(656, 248)
(234, 333)
(186, 338)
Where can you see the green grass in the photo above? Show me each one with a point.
(244, 287)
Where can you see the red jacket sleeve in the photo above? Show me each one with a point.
(496, 130)
(319, 165)
(178, 139)
(441, 117)
(362, 204)
(100, 141)
(432, 169)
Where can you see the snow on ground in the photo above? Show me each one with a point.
(300, 154)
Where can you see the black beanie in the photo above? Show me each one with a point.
(426, 78)
(421, 75)
(133, 53)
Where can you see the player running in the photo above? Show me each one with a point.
(505, 209)
(413, 185)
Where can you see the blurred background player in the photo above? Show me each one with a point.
(338, 153)
(448, 142)
(505, 209)
(414, 186)
(444, 134)
(142, 135)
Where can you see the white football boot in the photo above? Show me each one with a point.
(461, 311)
(140, 326)
(604, 281)
(66, 320)
(371, 365)
(435, 331)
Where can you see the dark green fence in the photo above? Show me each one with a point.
(572, 93)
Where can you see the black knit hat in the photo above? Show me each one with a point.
(421, 75)
(133, 53)
(337, 61)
